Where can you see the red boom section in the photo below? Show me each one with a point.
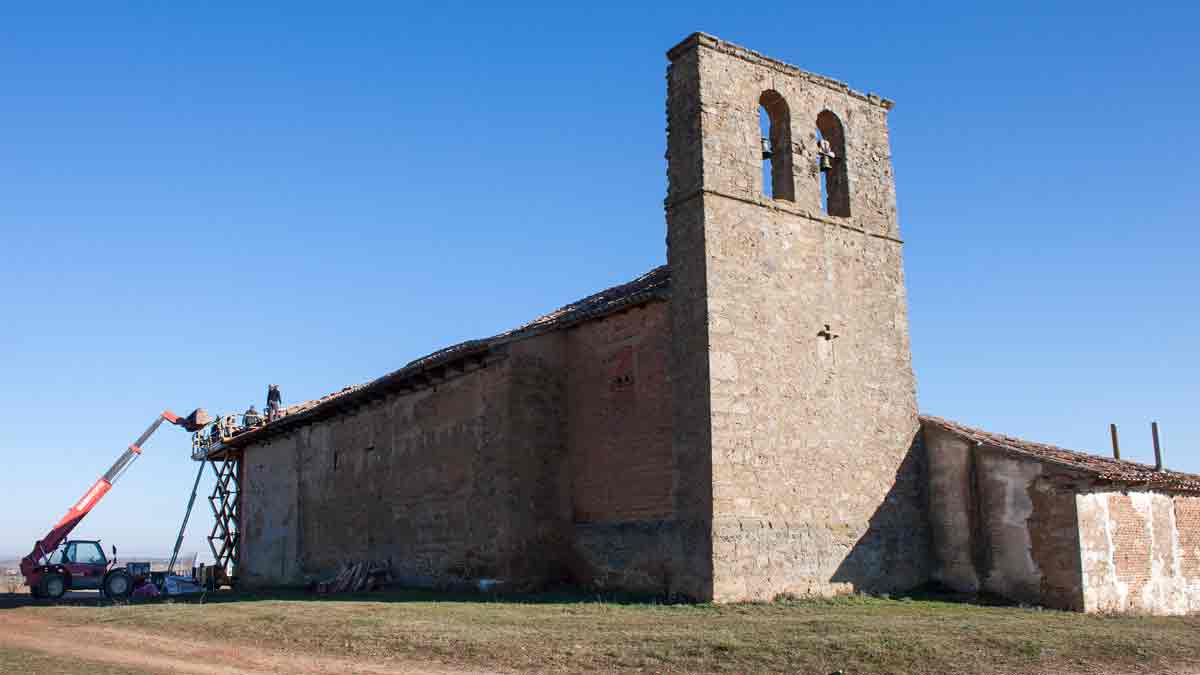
(85, 504)
(47, 544)
(59, 532)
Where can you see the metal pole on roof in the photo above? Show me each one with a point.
(1158, 463)
(1112, 428)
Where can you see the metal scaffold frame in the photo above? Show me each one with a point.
(226, 503)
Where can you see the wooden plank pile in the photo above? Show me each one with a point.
(364, 575)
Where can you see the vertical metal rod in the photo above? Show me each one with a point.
(1112, 428)
(186, 516)
(1158, 463)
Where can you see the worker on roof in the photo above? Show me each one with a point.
(274, 402)
(251, 418)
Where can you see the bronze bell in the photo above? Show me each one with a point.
(766, 148)
(825, 155)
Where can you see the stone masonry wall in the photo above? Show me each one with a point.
(1140, 552)
(539, 510)
(270, 515)
(691, 425)
(552, 464)
(437, 481)
(809, 430)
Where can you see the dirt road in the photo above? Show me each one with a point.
(157, 654)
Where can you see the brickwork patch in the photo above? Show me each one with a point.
(1131, 543)
(1187, 523)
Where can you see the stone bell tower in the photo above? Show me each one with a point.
(794, 399)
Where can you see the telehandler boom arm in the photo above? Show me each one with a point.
(57, 534)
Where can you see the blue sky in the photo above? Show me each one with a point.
(196, 201)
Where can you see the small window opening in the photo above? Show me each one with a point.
(775, 130)
(335, 460)
(831, 163)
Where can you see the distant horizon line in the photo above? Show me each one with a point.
(16, 557)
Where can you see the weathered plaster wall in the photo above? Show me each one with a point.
(953, 509)
(1002, 523)
(1006, 508)
(1140, 552)
(815, 488)
(1054, 540)
(1027, 520)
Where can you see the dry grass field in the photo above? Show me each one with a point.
(418, 632)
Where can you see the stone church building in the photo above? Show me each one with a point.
(738, 424)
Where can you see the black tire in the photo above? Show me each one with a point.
(118, 584)
(53, 586)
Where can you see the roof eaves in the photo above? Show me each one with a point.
(1118, 473)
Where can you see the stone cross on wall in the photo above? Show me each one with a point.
(827, 333)
(826, 351)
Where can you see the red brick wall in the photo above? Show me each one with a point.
(1187, 523)
(1131, 543)
(619, 419)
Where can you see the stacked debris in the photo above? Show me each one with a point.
(364, 575)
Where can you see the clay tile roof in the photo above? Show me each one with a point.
(653, 285)
(1101, 469)
(308, 405)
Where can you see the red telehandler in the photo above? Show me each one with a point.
(51, 571)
